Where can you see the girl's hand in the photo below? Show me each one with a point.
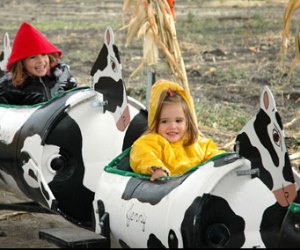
(157, 172)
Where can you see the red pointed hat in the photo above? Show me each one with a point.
(28, 42)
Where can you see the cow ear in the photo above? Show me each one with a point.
(109, 37)
(267, 102)
(266, 99)
(6, 52)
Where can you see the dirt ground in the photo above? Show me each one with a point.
(231, 49)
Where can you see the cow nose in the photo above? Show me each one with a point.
(285, 195)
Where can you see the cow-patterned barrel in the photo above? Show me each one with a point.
(206, 207)
(54, 153)
(231, 201)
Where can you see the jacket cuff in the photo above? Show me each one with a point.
(153, 169)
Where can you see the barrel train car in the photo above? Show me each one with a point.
(71, 155)
(247, 198)
(54, 152)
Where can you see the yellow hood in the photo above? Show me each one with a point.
(156, 90)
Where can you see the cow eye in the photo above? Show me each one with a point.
(276, 137)
(113, 65)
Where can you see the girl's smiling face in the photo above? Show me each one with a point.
(172, 123)
(37, 65)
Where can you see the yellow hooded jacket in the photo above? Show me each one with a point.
(152, 149)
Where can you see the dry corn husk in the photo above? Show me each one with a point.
(150, 50)
(295, 156)
(152, 22)
(290, 9)
(126, 6)
(6, 216)
(296, 59)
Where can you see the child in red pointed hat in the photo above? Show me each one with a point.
(34, 73)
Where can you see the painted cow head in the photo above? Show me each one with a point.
(107, 80)
(262, 142)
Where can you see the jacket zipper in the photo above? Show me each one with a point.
(46, 91)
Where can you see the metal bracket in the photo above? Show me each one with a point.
(254, 172)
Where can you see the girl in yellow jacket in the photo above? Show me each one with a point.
(172, 143)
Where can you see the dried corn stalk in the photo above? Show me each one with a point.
(152, 21)
(291, 7)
